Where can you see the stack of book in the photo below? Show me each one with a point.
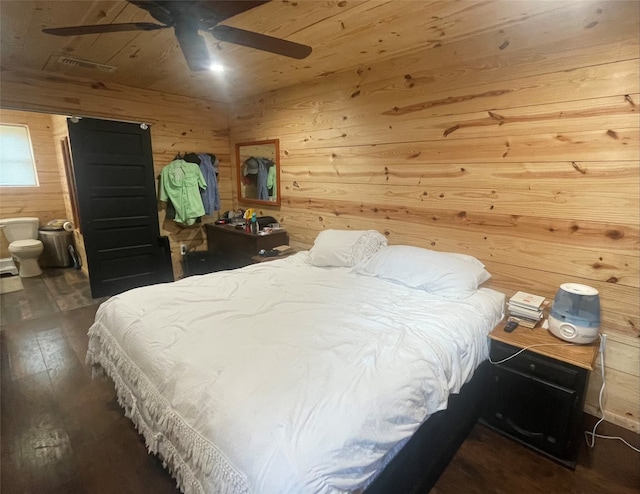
(526, 309)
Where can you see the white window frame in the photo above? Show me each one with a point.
(4, 162)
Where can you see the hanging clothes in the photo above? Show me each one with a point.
(257, 167)
(210, 195)
(180, 182)
(192, 158)
(263, 193)
(272, 183)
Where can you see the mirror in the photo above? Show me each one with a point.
(258, 172)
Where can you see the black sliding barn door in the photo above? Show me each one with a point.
(116, 188)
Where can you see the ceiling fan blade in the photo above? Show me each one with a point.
(103, 28)
(261, 42)
(192, 44)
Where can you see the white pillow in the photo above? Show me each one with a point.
(345, 248)
(446, 274)
(483, 275)
(466, 257)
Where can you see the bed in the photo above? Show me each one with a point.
(308, 374)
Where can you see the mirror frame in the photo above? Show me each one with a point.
(245, 200)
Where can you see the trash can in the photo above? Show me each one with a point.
(55, 253)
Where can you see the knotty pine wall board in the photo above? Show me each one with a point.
(511, 253)
(620, 385)
(378, 28)
(438, 69)
(589, 34)
(622, 353)
(490, 239)
(392, 77)
(189, 140)
(434, 70)
(465, 111)
(599, 146)
(583, 115)
(572, 176)
(430, 25)
(60, 132)
(75, 96)
(565, 233)
(550, 203)
(517, 144)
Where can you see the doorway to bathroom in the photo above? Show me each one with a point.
(131, 253)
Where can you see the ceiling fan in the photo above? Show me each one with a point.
(189, 17)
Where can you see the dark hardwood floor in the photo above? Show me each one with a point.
(64, 432)
(56, 290)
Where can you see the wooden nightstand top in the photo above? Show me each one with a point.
(579, 355)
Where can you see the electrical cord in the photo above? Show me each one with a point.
(592, 433)
(527, 348)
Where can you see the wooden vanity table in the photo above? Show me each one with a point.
(232, 247)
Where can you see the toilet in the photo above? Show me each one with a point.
(24, 246)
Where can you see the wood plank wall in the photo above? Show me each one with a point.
(45, 201)
(517, 144)
(178, 124)
(60, 134)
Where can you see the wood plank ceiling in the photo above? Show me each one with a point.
(344, 34)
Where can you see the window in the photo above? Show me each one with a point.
(17, 166)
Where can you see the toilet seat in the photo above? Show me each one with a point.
(22, 245)
(26, 253)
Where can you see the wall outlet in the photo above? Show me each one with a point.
(183, 249)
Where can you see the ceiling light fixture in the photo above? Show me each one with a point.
(216, 67)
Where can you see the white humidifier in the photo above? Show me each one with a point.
(575, 313)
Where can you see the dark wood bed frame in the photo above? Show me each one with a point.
(418, 465)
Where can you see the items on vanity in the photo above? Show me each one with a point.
(232, 247)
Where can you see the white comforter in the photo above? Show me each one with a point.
(286, 378)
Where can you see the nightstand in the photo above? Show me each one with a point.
(537, 397)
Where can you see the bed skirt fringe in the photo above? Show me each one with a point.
(184, 453)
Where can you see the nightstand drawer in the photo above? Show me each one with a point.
(532, 411)
(536, 366)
